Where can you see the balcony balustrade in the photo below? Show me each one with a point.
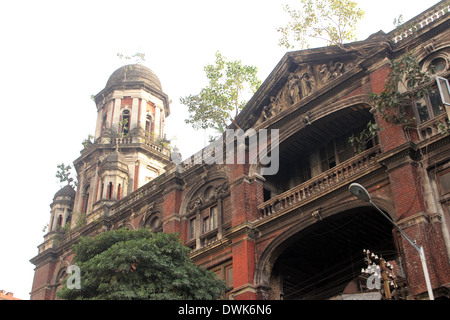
(325, 182)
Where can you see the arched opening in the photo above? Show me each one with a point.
(322, 260)
(61, 275)
(110, 190)
(320, 146)
(60, 220)
(119, 192)
(125, 122)
(85, 199)
(148, 127)
(155, 224)
(102, 188)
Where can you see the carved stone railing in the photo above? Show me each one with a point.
(150, 144)
(436, 126)
(325, 182)
(410, 30)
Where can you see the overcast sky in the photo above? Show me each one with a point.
(55, 54)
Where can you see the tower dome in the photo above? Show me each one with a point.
(133, 74)
(129, 78)
(61, 208)
(66, 191)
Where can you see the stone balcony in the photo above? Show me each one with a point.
(319, 185)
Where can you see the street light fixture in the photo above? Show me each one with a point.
(361, 193)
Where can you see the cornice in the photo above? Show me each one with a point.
(406, 153)
(210, 249)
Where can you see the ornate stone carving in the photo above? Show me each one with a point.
(294, 88)
(221, 190)
(307, 82)
(218, 191)
(149, 211)
(302, 83)
(195, 203)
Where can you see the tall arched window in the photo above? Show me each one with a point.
(110, 190)
(101, 190)
(86, 198)
(60, 220)
(148, 127)
(125, 123)
(119, 192)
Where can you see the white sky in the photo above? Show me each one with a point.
(55, 54)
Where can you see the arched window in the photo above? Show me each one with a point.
(60, 276)
(148, 127)
(60, 220)
(110, 191)
(125, 123)
(155, 224)
(101, 190)
(119, 192)
(86, 198)
(104, 123)
(69, 217)
(437, 65)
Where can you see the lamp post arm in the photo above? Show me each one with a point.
(417, 247)
(412, 242)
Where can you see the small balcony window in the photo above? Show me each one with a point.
(192, 223)
(433, 105)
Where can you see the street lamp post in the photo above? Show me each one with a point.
(361, 193)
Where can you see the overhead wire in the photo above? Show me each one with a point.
(338, 282)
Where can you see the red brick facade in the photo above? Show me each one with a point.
(288, 235)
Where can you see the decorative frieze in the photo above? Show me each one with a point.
(301, 83)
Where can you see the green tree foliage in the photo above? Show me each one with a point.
(64, 175)
(331, 20)
(139, 265)
(368, 133)
(88, 141)
(215, 105)
(404, 86)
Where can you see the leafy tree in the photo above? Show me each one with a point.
(331, 20)
(404, 86)
(125, 264)
(64, 175)
(214, 106)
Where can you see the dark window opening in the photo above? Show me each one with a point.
(266, 194)
(119, 191)
(110, 190)
(148, 126)
(430, 107)
(125, 123)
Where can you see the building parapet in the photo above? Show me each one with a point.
(420, 23)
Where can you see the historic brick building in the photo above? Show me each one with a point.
(296, 234)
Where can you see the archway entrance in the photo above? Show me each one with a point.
(321, 260)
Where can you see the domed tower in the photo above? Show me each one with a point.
(129, 147)
(61, 208)
(131, 105)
